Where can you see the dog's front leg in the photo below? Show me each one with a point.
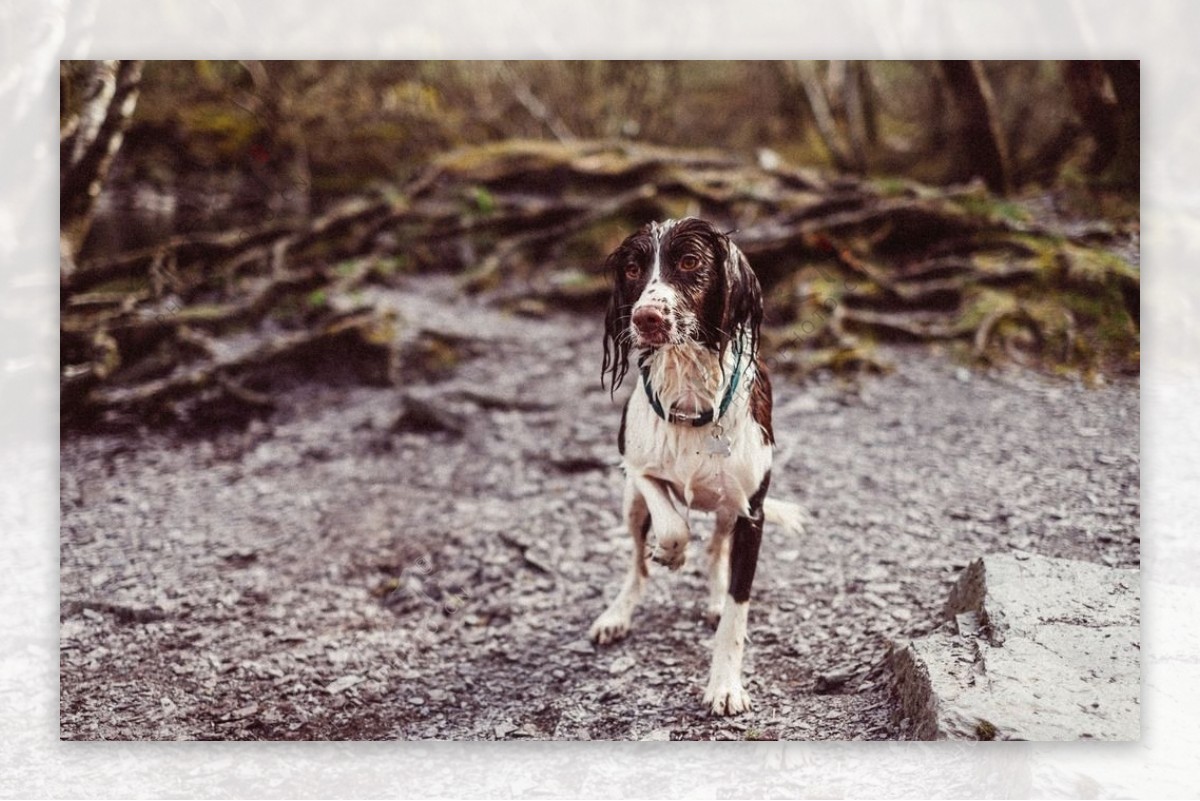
(718, 566)
(670, 530)
(725, 692)
(616, 620)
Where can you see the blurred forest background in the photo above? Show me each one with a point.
(220, 219)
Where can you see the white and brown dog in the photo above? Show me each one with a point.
(697, 433)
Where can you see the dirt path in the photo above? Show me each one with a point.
(311, 577)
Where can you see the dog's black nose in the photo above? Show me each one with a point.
(650, 320)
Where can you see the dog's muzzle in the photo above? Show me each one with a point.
(651, 325)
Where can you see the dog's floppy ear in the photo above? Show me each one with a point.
(743, 306)
(616, 326)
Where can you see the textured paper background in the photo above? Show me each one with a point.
(34, 34)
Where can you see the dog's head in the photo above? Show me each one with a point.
(677, 282)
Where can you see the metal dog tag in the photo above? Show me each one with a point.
(718, 444)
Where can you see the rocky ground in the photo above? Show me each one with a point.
(424, 561)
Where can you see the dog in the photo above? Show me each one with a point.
(696, 434)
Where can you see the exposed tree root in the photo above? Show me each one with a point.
(845, 261)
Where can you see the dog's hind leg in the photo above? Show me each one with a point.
(718, 567)
(725, 692)
(614, 623)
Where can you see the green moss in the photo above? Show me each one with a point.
(481, 279)
(202, 312)
(981, 303)
(439, 356)
(1086, 306)
(992, 208)
(577, 279)
(481, 200)
(860, 358)
(317, 298)
(382, 329)
(827, 290)
(1093, 266)
(219, 130)
(129, 285)
(400, 264)
(345, 269)
(592, 245)
(893, 187)
(487, 162)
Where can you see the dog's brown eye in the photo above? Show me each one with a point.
(689, 263)
(633, 270)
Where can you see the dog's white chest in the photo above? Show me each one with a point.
(705, 472)
(712, 467)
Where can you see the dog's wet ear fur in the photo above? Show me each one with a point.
(742, 307)
(616, 324)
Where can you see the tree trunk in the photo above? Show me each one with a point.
(855, 103)
(1126, 77)
(866, 93)
(818, 102)
(1096, 108)
(1043, 166)
(88, 143)
(980, 135)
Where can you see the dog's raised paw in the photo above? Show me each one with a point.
(668, 543)
(672, 555)
(727, 698)
(669, 551)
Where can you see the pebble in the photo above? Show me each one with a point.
(833, 680)
(621, 664)
(874, 600)
(343, 683)
(242, 712)
(657, 736)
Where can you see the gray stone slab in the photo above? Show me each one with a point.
(1033, 648)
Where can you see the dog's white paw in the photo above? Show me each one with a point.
(726, 696)
(669, 548)
(609, 627)
(712, 613)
